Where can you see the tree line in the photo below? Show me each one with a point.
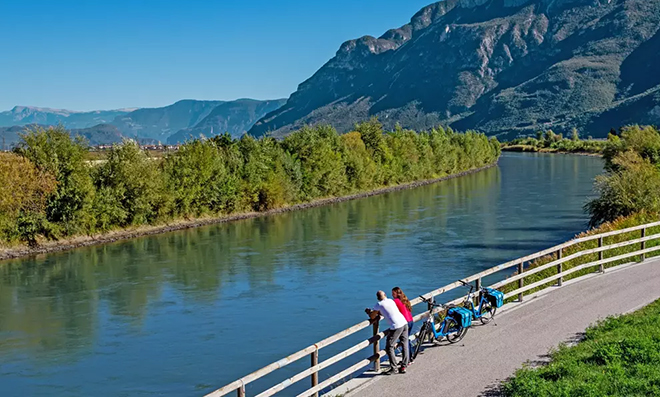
(49, 190)
(549, 141)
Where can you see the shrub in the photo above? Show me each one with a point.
(224, 175)
(23, 195)
(54, 152)
(130, 189)
(632, 182)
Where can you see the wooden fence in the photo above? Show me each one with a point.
(554, 255)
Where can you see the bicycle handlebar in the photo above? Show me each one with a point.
(431, 302)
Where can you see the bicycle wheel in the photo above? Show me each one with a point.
(487, 312)
(420, 341)
(457, 331)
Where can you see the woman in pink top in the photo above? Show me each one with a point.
(404, 306)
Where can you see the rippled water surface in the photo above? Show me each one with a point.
(185, 312)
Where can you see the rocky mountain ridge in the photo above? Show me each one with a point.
(506, 67)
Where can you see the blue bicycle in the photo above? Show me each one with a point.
(486, 310)
(453, 327)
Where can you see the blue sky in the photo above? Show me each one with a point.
(90, 54)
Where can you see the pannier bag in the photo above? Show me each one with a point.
(462, 316)
(495, 297)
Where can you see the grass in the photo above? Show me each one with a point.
(620, 356)
(622, 223)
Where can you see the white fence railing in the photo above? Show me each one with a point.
(558, 261)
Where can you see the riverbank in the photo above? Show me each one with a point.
(18, 251)
(534, 149)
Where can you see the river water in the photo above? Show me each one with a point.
(186, 312)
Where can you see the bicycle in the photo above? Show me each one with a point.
(486, 311)
(449, 328)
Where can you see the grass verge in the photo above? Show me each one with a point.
(620, 356)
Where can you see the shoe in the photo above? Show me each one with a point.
(402, 370)
(390, 371)
(410, 362)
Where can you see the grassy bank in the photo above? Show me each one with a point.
(618, 357)
(621, 223)
(66, 196)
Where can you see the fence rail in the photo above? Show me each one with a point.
(312, 352)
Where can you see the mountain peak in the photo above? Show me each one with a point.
(502, 66)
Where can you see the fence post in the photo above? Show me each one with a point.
(241, 390)
(376, 345)
(560, 266)
(315, 376)
(477, 286)
(643, 244)
(600, 255)
(521, 282)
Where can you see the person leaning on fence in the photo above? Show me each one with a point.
(405, 307)
(398, 330)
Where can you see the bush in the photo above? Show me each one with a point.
(224, 175)
(23, 195)
(548, 141)
(632, 182)
(54, 152)
(130, 189)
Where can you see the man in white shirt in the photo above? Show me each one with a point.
(398, 329)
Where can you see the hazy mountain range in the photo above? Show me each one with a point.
(506, 67)
(175, 123)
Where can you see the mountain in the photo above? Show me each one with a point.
(235, 117)
(506, 67)
(102, 134)
(160, 123)
(25, 115)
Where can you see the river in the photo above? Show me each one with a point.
(186, 312)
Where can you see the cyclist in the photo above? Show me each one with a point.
(404, 306)
(398, 330)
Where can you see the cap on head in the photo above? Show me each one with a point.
(381, 295)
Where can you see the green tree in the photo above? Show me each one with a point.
(130, 189)
(23, 195)
(53, 150)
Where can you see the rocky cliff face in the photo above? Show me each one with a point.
(506, 67)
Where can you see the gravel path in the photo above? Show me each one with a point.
(523, 333)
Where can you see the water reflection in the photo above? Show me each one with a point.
(123, 315)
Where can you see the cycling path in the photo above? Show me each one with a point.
(521, 333)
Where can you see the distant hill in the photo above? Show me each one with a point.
(506, 67)
(235, 117)
(184, 118)
(24, 115)
(102, 134)
(160, 123)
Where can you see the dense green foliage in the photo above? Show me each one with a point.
(224, 175)
(548, 141)
(632, 182)
(618, 357)
(23, 193)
